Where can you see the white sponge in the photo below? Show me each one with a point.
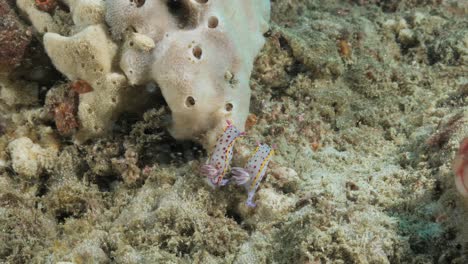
(202, 57)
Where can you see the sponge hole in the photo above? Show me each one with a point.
(138, 3)
(213, 22)
(229, 107)
(197, 52)
(190, 101)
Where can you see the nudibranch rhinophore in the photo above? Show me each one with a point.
(254, 171)
(219, 161)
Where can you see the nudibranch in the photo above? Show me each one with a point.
(460, 167)
(254, 171)
(218, 163)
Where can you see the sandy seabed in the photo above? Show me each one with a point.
(365, 100)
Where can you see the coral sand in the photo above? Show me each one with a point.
(365, 100)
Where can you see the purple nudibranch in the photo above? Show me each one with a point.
(254, 171)
(218, 163)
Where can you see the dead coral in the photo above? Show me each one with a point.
(30, 160)
(69, 164)
(25, 231)
(369, 77)
(444, 131)
(128, 167)
(395, 5)
(275, 62)
(451, 48)
(178, 224)
(70, 198)
(15, 39)
(100, 155)
(316, 51)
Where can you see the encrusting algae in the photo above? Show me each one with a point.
(364, 101)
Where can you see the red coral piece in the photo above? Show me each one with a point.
(65, 113)
(46, 5)
(65, 118)
(81, 86)
(460, 168)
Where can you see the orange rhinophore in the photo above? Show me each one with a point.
(460, 168)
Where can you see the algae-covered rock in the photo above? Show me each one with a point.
(15, 38)
(29, 160)
(176, 223)
(18, 93)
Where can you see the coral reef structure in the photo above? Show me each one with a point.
(88, 56)
(200, 53)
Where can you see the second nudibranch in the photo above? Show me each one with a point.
(460, 167)
(219, 161)
(254, 171)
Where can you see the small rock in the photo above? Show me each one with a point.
(406, 37)
(272, 205)
(285, 178)
(29, 159)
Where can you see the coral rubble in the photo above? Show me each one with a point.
(365, 100)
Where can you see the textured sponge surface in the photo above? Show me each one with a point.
(202, 56)
(199, 52)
